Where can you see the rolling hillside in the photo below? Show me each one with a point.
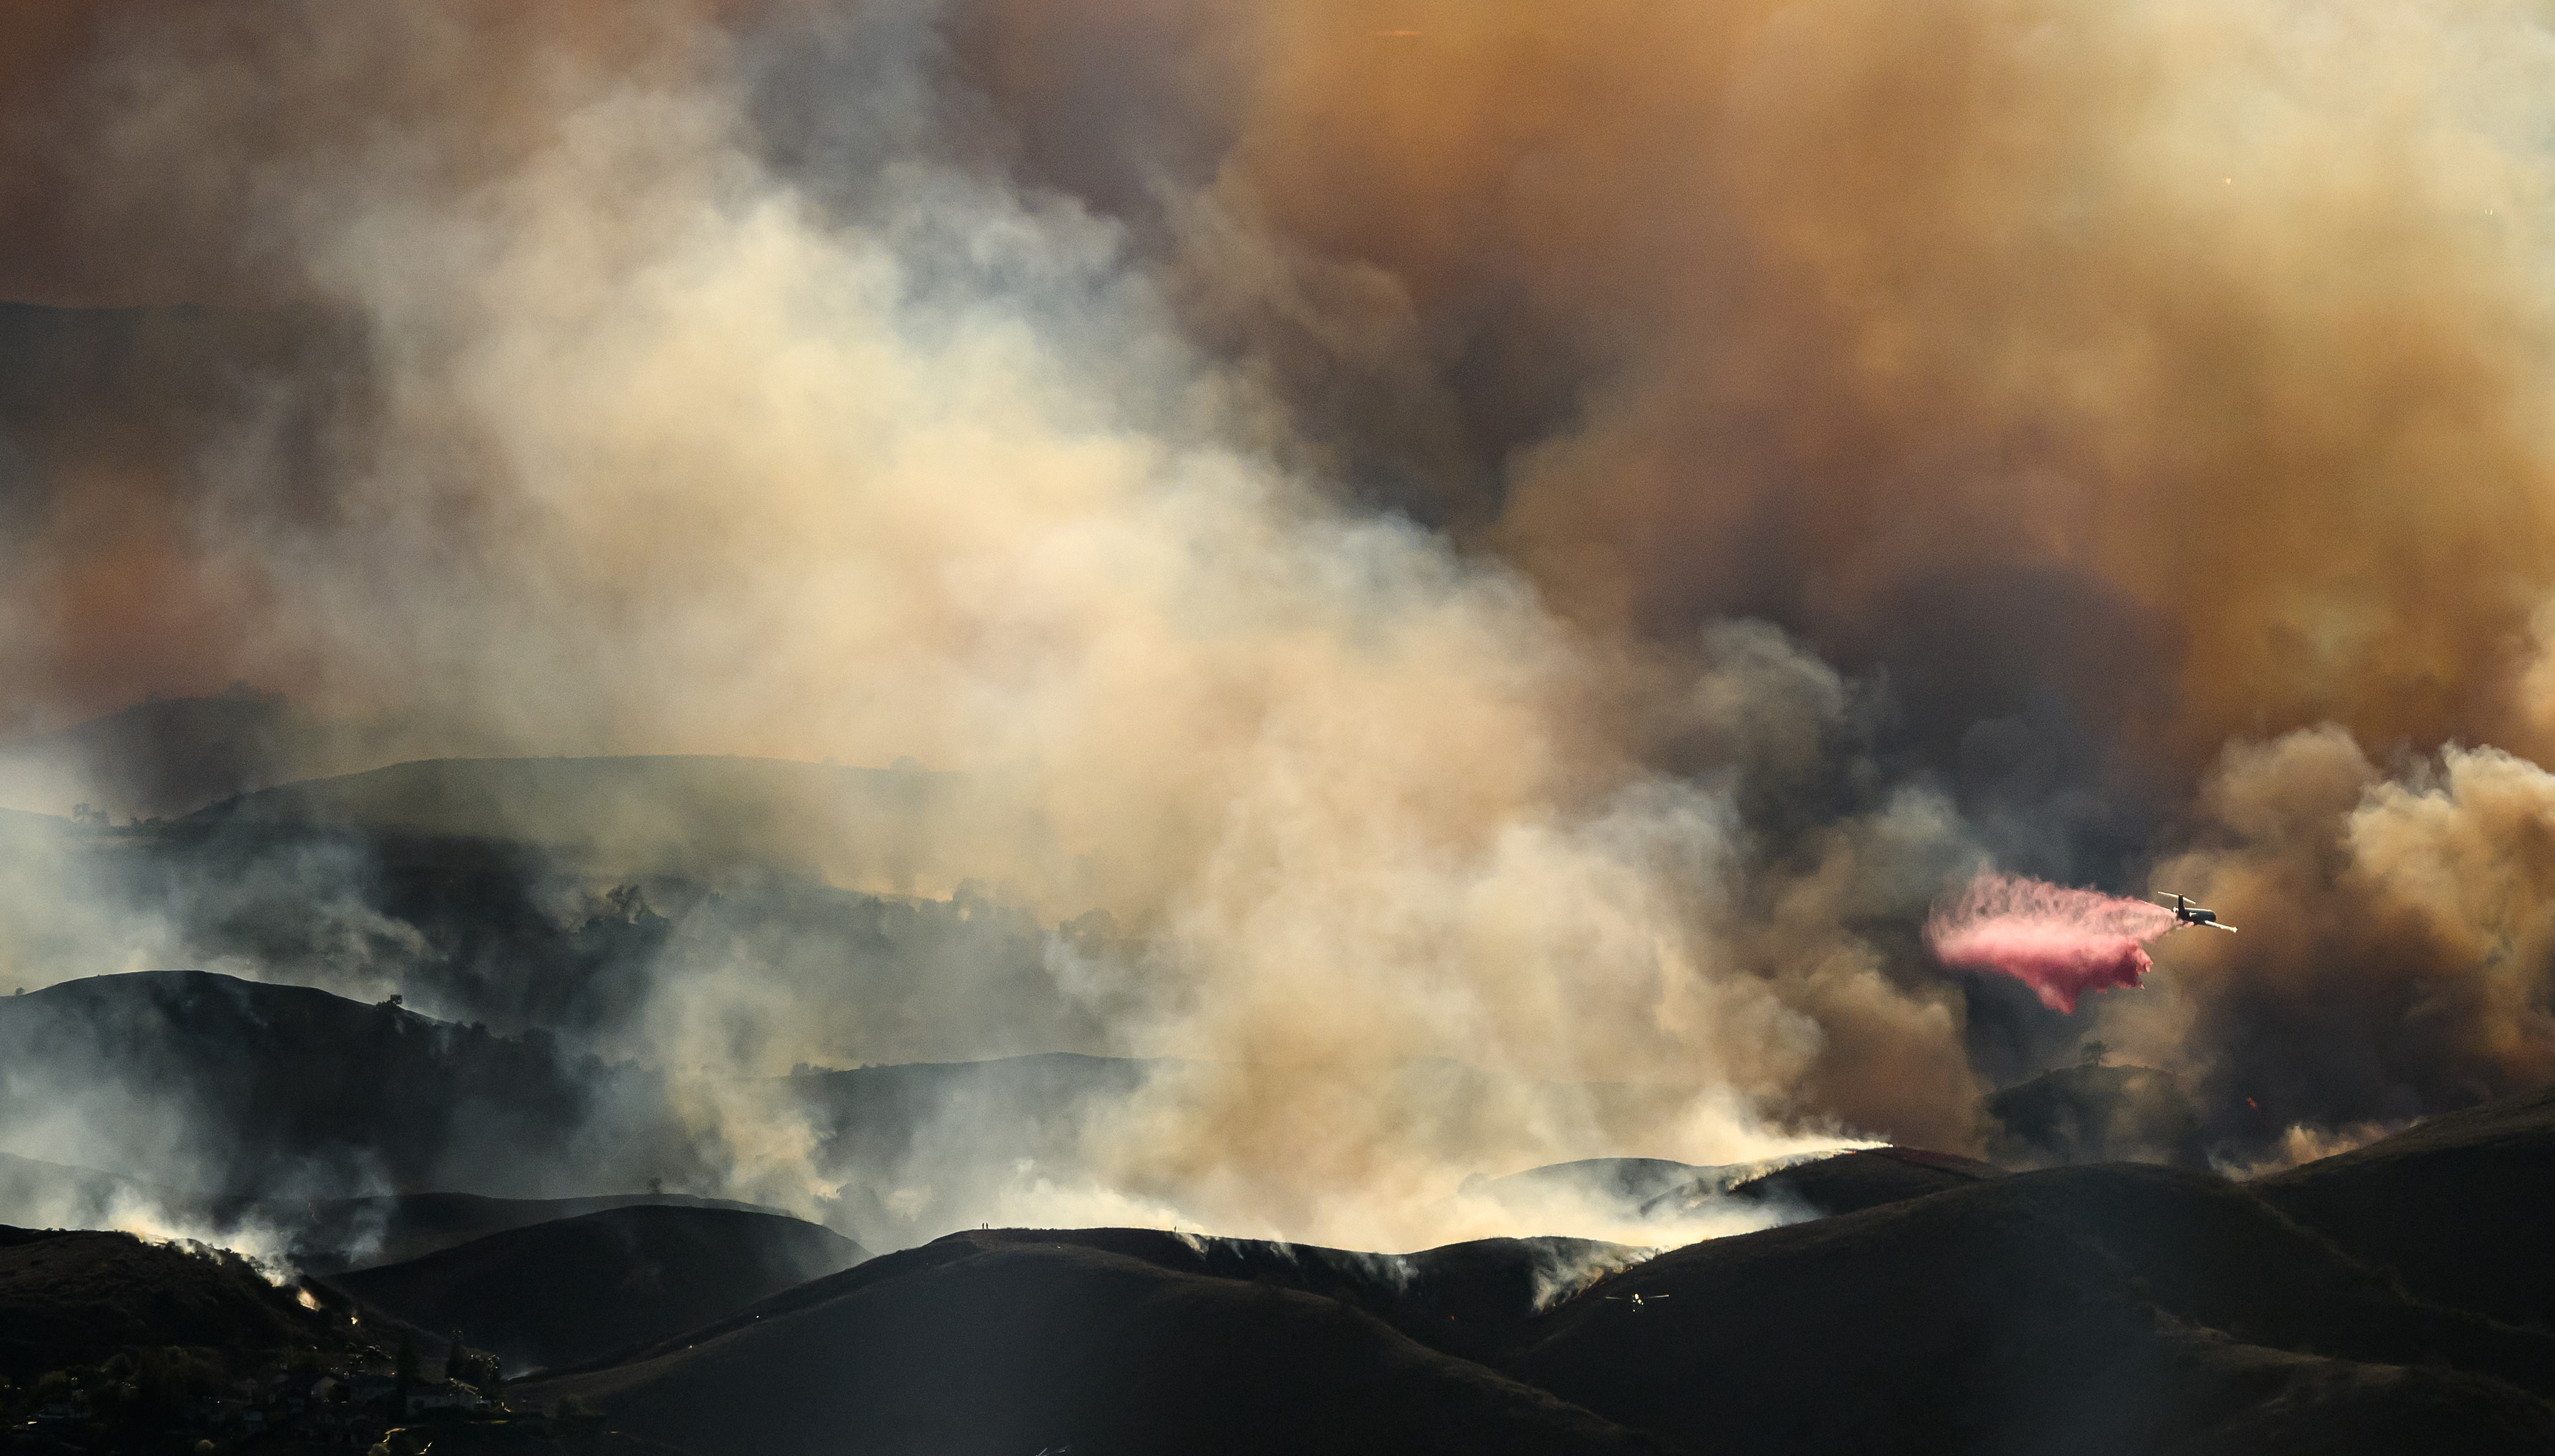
(571, 1289)
(2457, 1206)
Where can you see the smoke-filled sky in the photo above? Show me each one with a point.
(1544, 535)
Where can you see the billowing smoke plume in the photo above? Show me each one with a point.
(2181, 362)
(2060, 943)
(1536, 536)
(2397, 956)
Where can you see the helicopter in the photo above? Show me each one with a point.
(2185, 912)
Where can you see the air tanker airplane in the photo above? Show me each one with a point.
(2191, 914)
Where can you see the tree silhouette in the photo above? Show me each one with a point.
(407, 1373)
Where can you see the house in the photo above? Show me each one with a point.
(364, 1389)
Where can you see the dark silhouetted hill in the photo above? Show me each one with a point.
(1470, 1299)
(522, 935)
(2118, 1308)
(281, 1094)
(1019, 1344)
(2105, 1309)
(559, 911)
(2460, 1205)
(71, 1298)
(2094, 1114)
(316, 1236)
(569, 1290)
(1651, 1188)
(550, 892)
(258, 1094)
(334, 1235)
(1849, 1182)
(1624, 1183)
(194, 1079)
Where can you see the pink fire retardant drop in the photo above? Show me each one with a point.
(2058, 942)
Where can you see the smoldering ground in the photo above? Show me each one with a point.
(1542, 538)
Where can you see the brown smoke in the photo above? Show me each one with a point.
(2221, 322)
(651, 451)
(1021, 391)
(2397, 937)
(2204, 338)
(160, 152)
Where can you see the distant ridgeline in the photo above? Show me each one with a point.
(200, 1100)
(225, 1086)
(173, 755)
(2094, 1114)
(553, 892)
(245, 758)
(678, 814)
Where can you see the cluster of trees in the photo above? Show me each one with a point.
(144, 1385)
(480, 1370)
(477, 1369)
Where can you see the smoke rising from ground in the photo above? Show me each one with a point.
(1543, 542)
(940, 473)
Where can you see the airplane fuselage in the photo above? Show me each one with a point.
(2187, 914)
